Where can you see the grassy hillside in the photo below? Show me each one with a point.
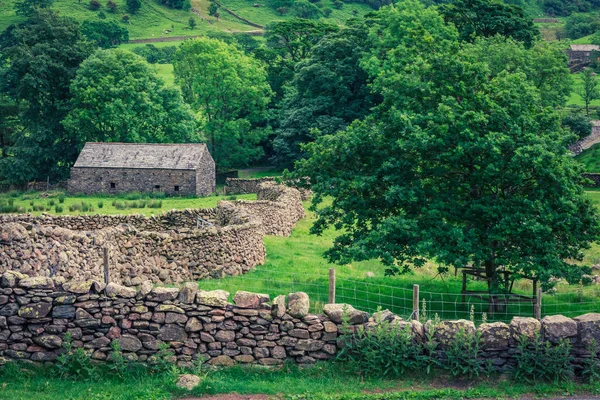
(156, 21)
(590, 158)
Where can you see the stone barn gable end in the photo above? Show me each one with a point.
(176, 169)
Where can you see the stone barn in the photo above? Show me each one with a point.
(176, 169)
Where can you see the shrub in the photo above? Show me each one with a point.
(58, 209)
(463, 355)
(75, 207)
(125, 18)
(327, 11)
(112, 6)
(100, 204)
(155, 204)
(591, 364)
(382, 350)
(61, 198)
(282, 10)
(74, 363)
(101, 15)
(133, 5)
(540, 360)
(337, 4)
(95, 5)
(51, 202)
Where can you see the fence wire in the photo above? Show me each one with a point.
(370, 294)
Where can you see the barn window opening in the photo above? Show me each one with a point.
(176, 188)
(113, 185)
(157, 187)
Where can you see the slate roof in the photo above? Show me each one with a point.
(143, 156)
(584, 47)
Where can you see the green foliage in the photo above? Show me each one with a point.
(287, 43)
(213, 9)
(230, 92)
(488, 18)
(579, 124)
(192, 23)
(589, 90)
(41, 55)
(74, 363)
(463, 355)
(156, 55)
(591, 364)
(539, 360)
(579, 25)
(329, 90)
(100, 204)
(117, 97)
(105, 34)
(58, 209)
(133, 5)
(305, 9)
(95, 5)
(28, 7)
(567, 7)
(177, 4)
(447, 173)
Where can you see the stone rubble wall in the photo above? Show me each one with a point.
(588, 141)
(36, 314)
(252, 185)
(164, 249)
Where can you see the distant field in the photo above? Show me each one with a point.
(165, 71)
(75, 205)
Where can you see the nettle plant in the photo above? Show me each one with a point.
(464, 355)
(540, 360)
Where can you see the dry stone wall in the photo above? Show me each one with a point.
(252, 185)
(169, 248)
(37, 313)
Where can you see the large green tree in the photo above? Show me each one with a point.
(42, 55)
(329, 90)
(229, 90)
(457, 165)
(105, 34)
(287, 43)
(118, 97)
(487, 18)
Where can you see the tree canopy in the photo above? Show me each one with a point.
(105, 34)
(42, 55)
(487, 18)
(229, 90)
(472, 172)
(117, 97)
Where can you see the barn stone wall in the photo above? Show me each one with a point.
(168, 248)
(102, 180)
(37, 313)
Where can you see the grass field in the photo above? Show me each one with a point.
(74, 205)
(27, 382)
(590, 158)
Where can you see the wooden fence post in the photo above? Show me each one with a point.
(416, 302)
(537, 308)
(106, 265)
(331, 285)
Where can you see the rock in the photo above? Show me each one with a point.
(215, 298)
(8, 280)
(522, 326)
(48, 341)
(193, 325)
(78, 287)
(35, 310)
(225, 336)
(113, 290)
(558, 327)
(187, 294)
(495, 336)
(589, 327)
(222, 361)
(250, 300)
(66, 312)
(163, 294)
(145, 289)
(188, 381)
(171, 332)
(129, 343)
(169, 308)
(278, 307)
(37, 282)
(446, 331)
(9, 310)
(309, 345)
(382, 316)
(298, 304)
(336, 312)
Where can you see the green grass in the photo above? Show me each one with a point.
(165, 71)
(259, 172)
(590, 158)
(295, 263)
(26, 200)
(322, 381)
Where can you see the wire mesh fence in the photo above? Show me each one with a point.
(371, 294)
